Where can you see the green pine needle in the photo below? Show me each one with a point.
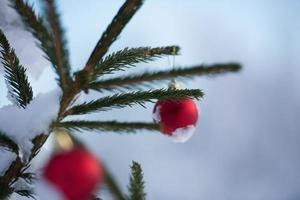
(53, 45)
(35, 24)
(8, 143)
(126, 12)
(60, 43)
(28, 177)
(136, 184)
(15, 74)
(26, 193)
(146, 78)
(129, 57)
(132, 98)
(5, 191)
(129, 127)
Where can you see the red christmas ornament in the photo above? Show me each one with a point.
(176, 117)
(75, 173)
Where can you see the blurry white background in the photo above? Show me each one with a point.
(247, 142)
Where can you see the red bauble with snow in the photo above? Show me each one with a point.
(177, 118)
(75, 173)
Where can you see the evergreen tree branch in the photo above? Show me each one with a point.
(5, 191)
(26, 193)
(133, 81)
(35, 24)
(8, 143)
(112, 185)
(29, 177)
(128, 57)
(130, 127)
(126, 12)
(17, 167)
(60, 43)
(136, 183)
(129, 99)
(15, 74)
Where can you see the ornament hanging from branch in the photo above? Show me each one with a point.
(177, 118)
(76, 173)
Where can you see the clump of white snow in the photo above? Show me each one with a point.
(156, 114)
(180, 135)
(183, 134)
(7, 157)
(23, 125)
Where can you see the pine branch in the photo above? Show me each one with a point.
(15, 74)
(28, 177)
(136, 185)
(129, 99)
(128, 57)
(35, 25)
(5, 190)
(128, 9)
(133, 81)
(130, 127)
(26, 193)
(60, 43)
(8, 143)
(112, 186)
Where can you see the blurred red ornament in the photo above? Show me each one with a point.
(177, 118)
(76, 173)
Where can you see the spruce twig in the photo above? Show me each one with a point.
(26, 193)
(5, 191)
(136, 185)
(128, 57)
(132, 81)
(128, 99)
(115, 126)
(15, 74)
(128, 9)
(35, 24)
(8, 143)
(29, 177)
(58, 38)
(49, 43)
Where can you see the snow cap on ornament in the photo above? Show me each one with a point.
(177, 118)
(74, 172)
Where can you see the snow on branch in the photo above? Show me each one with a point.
(23, 125)
(19, 89)
(8, 157)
